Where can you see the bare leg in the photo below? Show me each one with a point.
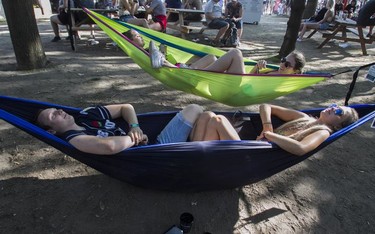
(191, 113)
(156, 26)
(55, 24)
(221, 33)
(239, 33)
(306, 27)
(199, 130)
(231, 62)
(204, 62)
(219, 128)
(139, 22)
(370, 30)
(301, 27)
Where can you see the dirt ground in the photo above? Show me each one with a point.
(45, 191)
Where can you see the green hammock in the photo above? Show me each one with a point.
(226, 88)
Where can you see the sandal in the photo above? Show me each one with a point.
(216, 44)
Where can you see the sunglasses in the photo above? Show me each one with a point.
(338, 110)
(286, 63)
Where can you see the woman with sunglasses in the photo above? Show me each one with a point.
(231, 62)
(293, 63)
(299, 134)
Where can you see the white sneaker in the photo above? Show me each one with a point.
(157, 58)
(299, 39)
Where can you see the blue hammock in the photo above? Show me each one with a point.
(188, 166)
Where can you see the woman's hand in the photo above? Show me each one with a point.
(261, 64)
(267, 127)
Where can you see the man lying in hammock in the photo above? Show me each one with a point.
(94, 131)
(231, 62)
(299, 135)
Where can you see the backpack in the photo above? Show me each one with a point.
(232, 40)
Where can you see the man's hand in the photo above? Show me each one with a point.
(136, 134)
(144, 140)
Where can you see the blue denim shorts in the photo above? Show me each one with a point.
(177, 130)
(324, 26)
(126, 18)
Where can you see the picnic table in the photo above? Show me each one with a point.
(180, 25)
(79, 23)
(346, 27)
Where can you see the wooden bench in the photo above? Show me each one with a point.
(186, 29)
(185, 26)
(344, 26)
(84, 24)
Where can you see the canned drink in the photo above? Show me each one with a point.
(371, 74)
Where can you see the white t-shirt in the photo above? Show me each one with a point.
(213, 8)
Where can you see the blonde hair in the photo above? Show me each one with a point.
(331, 4)
(350, 118)
(304, 126)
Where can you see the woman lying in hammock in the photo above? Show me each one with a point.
(299, 135)
(231, 62)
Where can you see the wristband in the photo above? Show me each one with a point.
(134, 125)
(267, 123)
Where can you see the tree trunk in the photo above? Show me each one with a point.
(290, 38)
(310, 9)
(24, 33)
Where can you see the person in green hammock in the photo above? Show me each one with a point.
(231, 62)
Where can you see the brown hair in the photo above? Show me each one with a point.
(40, 124)
(300, 61)
(128, 34)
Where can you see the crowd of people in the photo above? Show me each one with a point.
(94, 130)
(154, 15)
(364, 15)
(224, 15)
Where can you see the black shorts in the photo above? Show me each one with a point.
(63, 17)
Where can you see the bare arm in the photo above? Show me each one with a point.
(127, 112)
(299, 148)
(126, 5)
(134, 8)
(285, 114)
(104, 146)
(327, 16)
(240, 16)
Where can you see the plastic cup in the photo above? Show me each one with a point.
(186, 221)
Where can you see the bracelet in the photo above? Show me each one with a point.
(267, 123)
(134, 125)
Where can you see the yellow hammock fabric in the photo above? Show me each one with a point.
(229, 89)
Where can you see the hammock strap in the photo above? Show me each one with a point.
(355, 75)
(70, 29)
